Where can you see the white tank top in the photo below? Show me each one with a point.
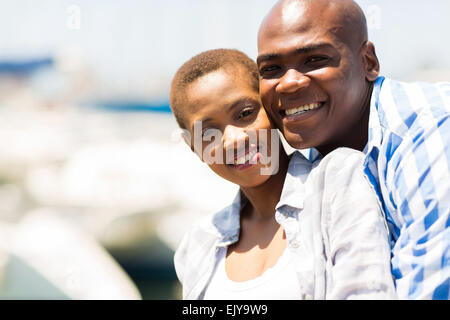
(277, 283)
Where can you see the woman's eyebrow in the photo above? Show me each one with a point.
(239, 102)
(235, 104)
(202, 121)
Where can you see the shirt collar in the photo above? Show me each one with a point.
(293, 193)
(312, 154)
(375, 132)
(226, 223)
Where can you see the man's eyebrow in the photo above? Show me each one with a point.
(302, 50)
(312, 47)
(266, 57)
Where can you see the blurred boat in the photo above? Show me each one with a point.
(47, 257)
(119, 177)
(24, 67)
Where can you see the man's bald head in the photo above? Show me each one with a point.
(344, 18)
(314, 54)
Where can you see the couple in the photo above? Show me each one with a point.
(365, 215)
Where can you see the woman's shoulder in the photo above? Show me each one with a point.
(201, 237)
(191, 245)
(211, 226)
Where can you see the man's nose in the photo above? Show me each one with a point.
(292, 81)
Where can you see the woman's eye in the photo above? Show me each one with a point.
(245, 113)
(207, 133)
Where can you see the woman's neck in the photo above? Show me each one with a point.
(265, 197)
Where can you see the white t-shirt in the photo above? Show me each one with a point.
(274, 284)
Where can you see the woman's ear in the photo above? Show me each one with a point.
(371, 63)
(182, 134)
(185, 135)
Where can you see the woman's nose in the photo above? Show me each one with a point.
(234, 138)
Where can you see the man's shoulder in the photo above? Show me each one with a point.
(341, 161)
(440, 85)
(406, 107)
(417, 95)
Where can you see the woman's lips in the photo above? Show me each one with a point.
(249, 159)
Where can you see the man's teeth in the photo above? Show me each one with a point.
(245, 158)
(302, 109)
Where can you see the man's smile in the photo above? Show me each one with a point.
(301, 113)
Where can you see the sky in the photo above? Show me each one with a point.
(135, 46)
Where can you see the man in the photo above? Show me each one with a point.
(319, 81)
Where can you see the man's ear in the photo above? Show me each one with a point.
(371, 63)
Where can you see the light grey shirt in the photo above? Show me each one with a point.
(335, 230)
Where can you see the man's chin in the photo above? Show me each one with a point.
(296, 142)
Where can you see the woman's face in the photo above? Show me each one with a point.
(229, 128)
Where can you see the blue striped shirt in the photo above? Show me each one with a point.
(407, 162)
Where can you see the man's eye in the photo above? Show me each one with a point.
(316, 60)
(269, 69)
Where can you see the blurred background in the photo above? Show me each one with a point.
(96, 190)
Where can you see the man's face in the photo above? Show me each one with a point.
(312, 80)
